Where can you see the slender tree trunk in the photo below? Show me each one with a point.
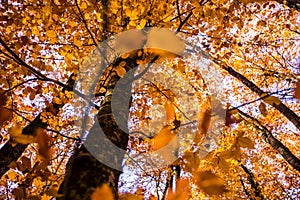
(282, 108)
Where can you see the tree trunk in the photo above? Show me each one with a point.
(84, 172)
(10, 153)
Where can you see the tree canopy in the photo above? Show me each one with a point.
(200, 99)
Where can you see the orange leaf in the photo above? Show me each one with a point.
(170, 112)
(163, 138)
(42, 139)
(5, 115)
(103, 192)
(182, 191)
(204, 121)
(3, 97)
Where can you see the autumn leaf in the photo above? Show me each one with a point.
(245, 142)
(51, 33)
(142, 24)
(270, 99)
(262, 109)
(16, 135)
(5, 115)
(163, 137)
(103, 192)
(19, 192)
(204, 121)
(192, 160)
(25, 164)
(43, 139)
(170, 112)
(3, 97)
(232, 116)
(182, 191)
(221, 163)
(209, 183)
(225, 154)
(129, 196)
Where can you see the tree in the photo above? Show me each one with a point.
(253, 154)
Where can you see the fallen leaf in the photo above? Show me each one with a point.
(5, 115)
(182, 191)
(210, 183)
(163, 138)
(43, 139)
(270, 99)
(262, 109)
(245, 142)
(170, 112)
(204, 121)
(16, 135)
(3, 97)
(103, 192)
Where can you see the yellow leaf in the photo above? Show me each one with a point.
(224, 165)
(47, 10)
(225, 154)
(210, 183)
(192, 160)
(121, 71)
(142, 24)
(72, 23)
(167, 17)
(245, 142)
(51, 33)
(98, 16)
(87, 16)
(57, 100)
(15, 131)
(83, 5)
(12, 175)
(103, 192)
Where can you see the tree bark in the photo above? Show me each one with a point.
(276, 144)
(283, 109)
(84, 172)
(10, 153)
